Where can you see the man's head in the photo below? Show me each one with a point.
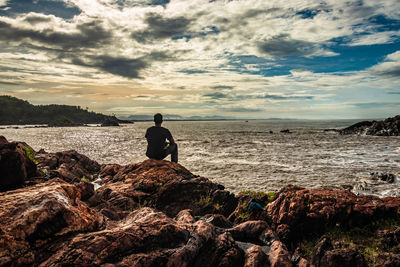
(158, 118)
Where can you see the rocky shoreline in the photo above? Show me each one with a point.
(157, 213)
(387, 127)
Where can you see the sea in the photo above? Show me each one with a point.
(242, 155)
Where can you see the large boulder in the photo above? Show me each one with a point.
(16, 164)
(35, 217)
(298, 211)
(70, 166)
(165, 185)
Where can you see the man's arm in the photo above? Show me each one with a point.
(171, 140)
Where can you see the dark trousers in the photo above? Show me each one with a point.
(173, 150)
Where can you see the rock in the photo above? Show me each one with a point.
(342, 257)
(110, 122)
(287, 131)
(386, 177)
(36, 216)
(279, 255)
(15, 165)
(389, 239)
(160, 184)
(388, 127)
(298, 211)
(70, 166)
(255, 257)
(323, 245)
(149, 238)
(388, 260)
(250, 231)
(217, 220)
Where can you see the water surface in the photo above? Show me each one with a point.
(242, 155)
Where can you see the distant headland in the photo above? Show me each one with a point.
(15, 111)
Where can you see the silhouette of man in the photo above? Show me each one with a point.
(157, 147)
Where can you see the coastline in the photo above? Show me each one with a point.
(158, 212)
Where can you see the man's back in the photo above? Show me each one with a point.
(156, 137)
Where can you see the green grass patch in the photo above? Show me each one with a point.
(204, 200)
(85, 179)
(30, 154)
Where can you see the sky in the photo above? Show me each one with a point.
(244, 59)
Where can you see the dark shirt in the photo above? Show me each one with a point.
(156, 137)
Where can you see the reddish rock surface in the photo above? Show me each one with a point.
(68, 165)
(34, 216)
(15, 166)
(343, 258)
(157, 213)
(165, 185)
(279, 256)
(255, 257)
(298, 211)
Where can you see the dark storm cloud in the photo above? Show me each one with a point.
(283, 45)
(159, 28)
(90, 34)
(121, 66)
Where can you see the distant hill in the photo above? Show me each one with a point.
(17, 111)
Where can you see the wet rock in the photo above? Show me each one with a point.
(298, 211)
(388, 127)
(255, 257)
(70, 166)
(342, 257)
(15, 165)
(35, 216)
(160, 184)
(279, 256)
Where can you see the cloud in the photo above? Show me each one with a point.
(376, 104)
(241, 109)
(159, 27)
(222, 87)
(124, 67)
(216, 95)
(284, 45)
(35, 18)
(89, 34)
(390, 67)
(283, 97)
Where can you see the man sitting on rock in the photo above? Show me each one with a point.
(157, 146)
